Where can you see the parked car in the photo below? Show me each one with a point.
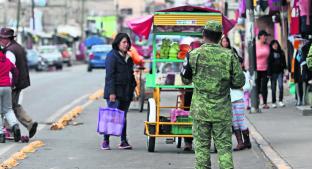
(52, 55)
(35, 61)
(66, 55)
(97, 56)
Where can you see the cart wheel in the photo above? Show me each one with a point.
(151, 144)
(179, 142)
(142, 95)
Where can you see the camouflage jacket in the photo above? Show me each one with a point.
(309, 58)
(217, 71)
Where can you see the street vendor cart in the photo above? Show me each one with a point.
(167, 59)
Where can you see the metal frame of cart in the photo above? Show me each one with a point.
(173, 19)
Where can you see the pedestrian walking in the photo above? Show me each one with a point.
(119, 83)
(17, 54)
(262, 54)
(277, 66)
(213, 71)
(6, 84)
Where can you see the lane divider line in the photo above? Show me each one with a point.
(22, 154)
(53, 117)
(60, 124)
(74, 113)
(275, 158)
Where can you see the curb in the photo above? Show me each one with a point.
(275, 158)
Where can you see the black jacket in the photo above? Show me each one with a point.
(21, 64)
(277, 62)
(119, 78)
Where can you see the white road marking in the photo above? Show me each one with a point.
(53, 117)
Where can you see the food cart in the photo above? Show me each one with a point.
(167, 59)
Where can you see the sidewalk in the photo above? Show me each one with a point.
(288, 132)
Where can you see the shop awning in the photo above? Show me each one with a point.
(70, 30)
(142, 26)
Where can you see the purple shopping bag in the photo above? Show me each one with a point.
(110, 121)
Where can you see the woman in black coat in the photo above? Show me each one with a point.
(119, 82)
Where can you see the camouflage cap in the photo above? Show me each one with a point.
(213, 26)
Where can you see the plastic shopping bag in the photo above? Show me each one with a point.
(110, 121)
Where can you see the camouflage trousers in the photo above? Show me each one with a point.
(221, 133)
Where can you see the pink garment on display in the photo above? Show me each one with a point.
(304, 6)
(143, 25)
(262, 53)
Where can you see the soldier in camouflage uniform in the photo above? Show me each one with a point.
(214, 71)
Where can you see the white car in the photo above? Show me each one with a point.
(52, 55)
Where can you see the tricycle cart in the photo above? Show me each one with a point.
(165, 76)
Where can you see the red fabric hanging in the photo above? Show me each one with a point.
(295, 21)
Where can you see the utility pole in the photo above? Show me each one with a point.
(33, 14)
(82, 17)
(66, 12)
(251, 48)
(18, 15)
(284, 23)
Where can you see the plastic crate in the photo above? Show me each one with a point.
(182, 129)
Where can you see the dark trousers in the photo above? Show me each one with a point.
(277, 78)
(124, 106)
(19, 111)
(262, 85)
(187, 103)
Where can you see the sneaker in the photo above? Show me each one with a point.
(274, 105)
(125, 145)
(281, 104)
(16, 132)
(33, 130)
(105, 145)
(2, 138)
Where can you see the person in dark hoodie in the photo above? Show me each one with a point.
(277, 65)
(119, 83)
(6, 84)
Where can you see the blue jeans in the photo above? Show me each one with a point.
(277, 77)
(124, 106)
(6, 107)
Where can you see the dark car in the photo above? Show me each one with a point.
(97, 56)
(35, 61)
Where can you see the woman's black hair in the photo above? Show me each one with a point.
(119, 38)
(279, 48)
(228, 40)
(212, 35)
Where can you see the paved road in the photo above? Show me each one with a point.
(78, 146)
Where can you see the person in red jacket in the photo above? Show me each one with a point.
(6, 84)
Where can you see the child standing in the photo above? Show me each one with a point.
(238, 99)
(6, 66)
(277, 65)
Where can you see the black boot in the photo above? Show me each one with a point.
(246, 138)
(240, 143)
(33, 130)
(2, 138)
(16, 132)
